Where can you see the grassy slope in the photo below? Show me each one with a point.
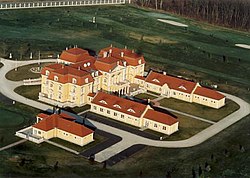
(199, 48)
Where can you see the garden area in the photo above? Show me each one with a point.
(200, 110)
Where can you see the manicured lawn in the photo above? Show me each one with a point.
(30, 92)
(200, 110)
(145, 96)
(200, 48)
(188, 127)
(24, 73)
(98, 139)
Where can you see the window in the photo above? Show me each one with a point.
(51, 84)
(55, 78)
(131, 110)
(74, 80)
(108, 111)
(174, 93)
(86, 80)
(115, 114)
(101, 109)
(117, 106)
(82, 89)
(155, 125)
(102, 101)
(47, 72)
(122, 116)
(164, 128)
(75, 137)
(94, 107)
(60, 87)
(60, 96)
(139, 61)
(39, 132)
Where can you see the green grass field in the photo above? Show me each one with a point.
(145, 96)
(200, 48)
(30, 92)
(200, 110)
(24, 72)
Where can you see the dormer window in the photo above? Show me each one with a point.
(47, 72)
(88, 64)
(117, 106)
(139, 61)
(131, 110)
(74, 80)
(55, 78)
(96, 73)
(86, 80)
(103, 101)
(182, 87)
(156, 80)
(85, 65)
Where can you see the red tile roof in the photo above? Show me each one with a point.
(67, 73)
(50, 68)
(74, 55)
(107, 64)
(91, 94)
(160, 117)
(56, 121)
(208, 93)
(42, 115)
(140, 77)
(114, 102)
(172, 82)
(129, 56)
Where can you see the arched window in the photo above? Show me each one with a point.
(74, 80)
(47, 72)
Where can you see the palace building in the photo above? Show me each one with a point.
(114, 70)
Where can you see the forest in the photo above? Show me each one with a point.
(229, 13)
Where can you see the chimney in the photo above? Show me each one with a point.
(111, 45)
(164, 73)
(66, 48)
(124, 63)
(122, 54)
(79, 68)
(133, 51)
(148, 101)
(125, 47)
(110, 51)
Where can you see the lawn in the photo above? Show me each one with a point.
(30, 92)
(200, 110)
(24, 72)
(200, 48)
(145, 96)
(188, 127)
(98, 139)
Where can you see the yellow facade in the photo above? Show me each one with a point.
(135, 121)
(64, 135)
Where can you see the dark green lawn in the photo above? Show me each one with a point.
(30, 92)
(200, 110)
(200, 48)
(24, 72)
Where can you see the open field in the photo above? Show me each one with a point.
(24, 72)
(202, 47)
(30, 92)
(200, 110)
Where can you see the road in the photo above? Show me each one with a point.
(128, 139)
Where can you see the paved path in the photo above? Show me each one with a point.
(128, 139)
(13, 144)
(62, 147)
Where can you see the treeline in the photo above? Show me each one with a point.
(230, 13)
